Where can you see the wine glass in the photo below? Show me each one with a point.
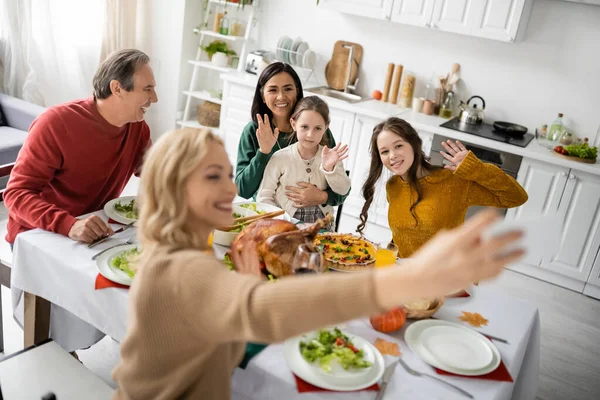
(385, 255)
(308, 261)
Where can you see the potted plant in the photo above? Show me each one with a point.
(219, 46)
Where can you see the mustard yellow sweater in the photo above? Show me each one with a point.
(446, 197)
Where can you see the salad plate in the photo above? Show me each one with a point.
(122, 209)
(311, 358)
(114, 264)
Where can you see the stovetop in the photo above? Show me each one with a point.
(488, 132)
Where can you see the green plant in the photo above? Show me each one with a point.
(218, 46)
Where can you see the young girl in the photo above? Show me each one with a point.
(278, 90)
(308, 160)
(424, 199)
(189, 316)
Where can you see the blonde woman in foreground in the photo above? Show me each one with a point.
(189, 316)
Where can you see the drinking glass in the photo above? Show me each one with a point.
(385, 255)
(308, 261)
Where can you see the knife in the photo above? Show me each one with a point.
(104, 239)
(386, 378)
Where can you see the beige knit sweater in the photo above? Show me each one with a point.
(287, 168)
(189, 318)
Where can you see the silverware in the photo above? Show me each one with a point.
(387, 374)
(104, 239)
(129, 241)
(416, 373)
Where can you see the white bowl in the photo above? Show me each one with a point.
(267, 208)
(226, 238)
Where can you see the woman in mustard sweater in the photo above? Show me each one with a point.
(423, 198)
(189, 316)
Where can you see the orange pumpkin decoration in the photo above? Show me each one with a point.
(389, 321)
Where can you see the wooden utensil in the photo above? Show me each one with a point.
(388, 82)
(336, 70)
(396, 84)
(358, 50)
(239, 222)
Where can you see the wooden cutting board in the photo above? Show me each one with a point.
(336, 71)
(358, 50)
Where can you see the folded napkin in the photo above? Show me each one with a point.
(103, 283)
(304, 387)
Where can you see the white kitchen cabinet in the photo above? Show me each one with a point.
(413, 12)
(453, 16)
(359, 160)
(500, 19)
(579, 211)
(380, 9)
(544, 183)
(235, 114)
(341, 123)
(592, 287)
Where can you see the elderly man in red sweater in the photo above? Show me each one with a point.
(80, 155)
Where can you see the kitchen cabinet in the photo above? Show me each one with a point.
(235, 114)
(579, 212)
(380, 9)
(413, 12)
(592, 287)
(502, 20)
(575, 196)
(341, 123)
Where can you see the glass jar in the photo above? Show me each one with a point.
(224, 25)
(446, 108)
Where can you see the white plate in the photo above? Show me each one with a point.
(413, 337)
(286, 45)
(109, 210)
(267, 208)
(293, 56)
(309, 59)
(104, 265)
(226, 238)
(339, 379)
(302, 48)
(280, 52)
(457, 348)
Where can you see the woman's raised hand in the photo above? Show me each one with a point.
(265, 135)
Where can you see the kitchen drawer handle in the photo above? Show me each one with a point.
(563, 173)
(572, 176)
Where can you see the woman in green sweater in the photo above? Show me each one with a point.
(278, 90)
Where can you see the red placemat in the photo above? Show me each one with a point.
(112, 221)
(500, 374)
(103, 283)
(304, 387)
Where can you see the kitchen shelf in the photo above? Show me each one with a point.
(209, 65)
(229, 3)
(202, 95)
(224, 37)
(192, 123)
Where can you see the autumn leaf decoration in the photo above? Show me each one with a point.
(474, 319)
(386, 347)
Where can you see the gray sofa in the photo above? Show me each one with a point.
(19, 115)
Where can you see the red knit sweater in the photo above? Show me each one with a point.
(72, 162)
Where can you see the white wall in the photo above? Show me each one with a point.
(161, 38)
(556, 68)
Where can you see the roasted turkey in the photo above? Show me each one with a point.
(276, 242)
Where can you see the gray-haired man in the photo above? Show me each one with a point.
(81, 154)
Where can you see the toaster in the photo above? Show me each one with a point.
(254, 60)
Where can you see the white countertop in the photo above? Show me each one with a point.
(430, 123)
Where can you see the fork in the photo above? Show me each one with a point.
(129, 241)
(417, 373)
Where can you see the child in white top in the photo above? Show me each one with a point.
(308, 160)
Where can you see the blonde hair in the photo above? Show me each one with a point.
(164, 212)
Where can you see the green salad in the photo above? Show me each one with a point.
(127, 261)
(130, 210)
(582, 151)
(252, 206)
(333, 345)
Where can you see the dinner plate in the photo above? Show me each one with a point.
(280, 52)
(457, 348)
(339, 379)
(309, 59)
(293, 48)
(302, 48)
(267, 208)
(104, 265)
(428, 348)
(226, 238)
(109, 210)
(286, 45)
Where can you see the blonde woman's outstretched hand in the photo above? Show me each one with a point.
(455, 259)
(456, 154)
(246, 261)
(330, 157)
(265, 135)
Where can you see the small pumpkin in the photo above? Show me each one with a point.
(389, 321)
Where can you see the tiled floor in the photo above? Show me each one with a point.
(570, 345)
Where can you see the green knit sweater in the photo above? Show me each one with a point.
(251, 162)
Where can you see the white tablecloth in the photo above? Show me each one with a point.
(61, 271)
(268, 377)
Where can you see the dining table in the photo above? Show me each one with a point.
(55, 293)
